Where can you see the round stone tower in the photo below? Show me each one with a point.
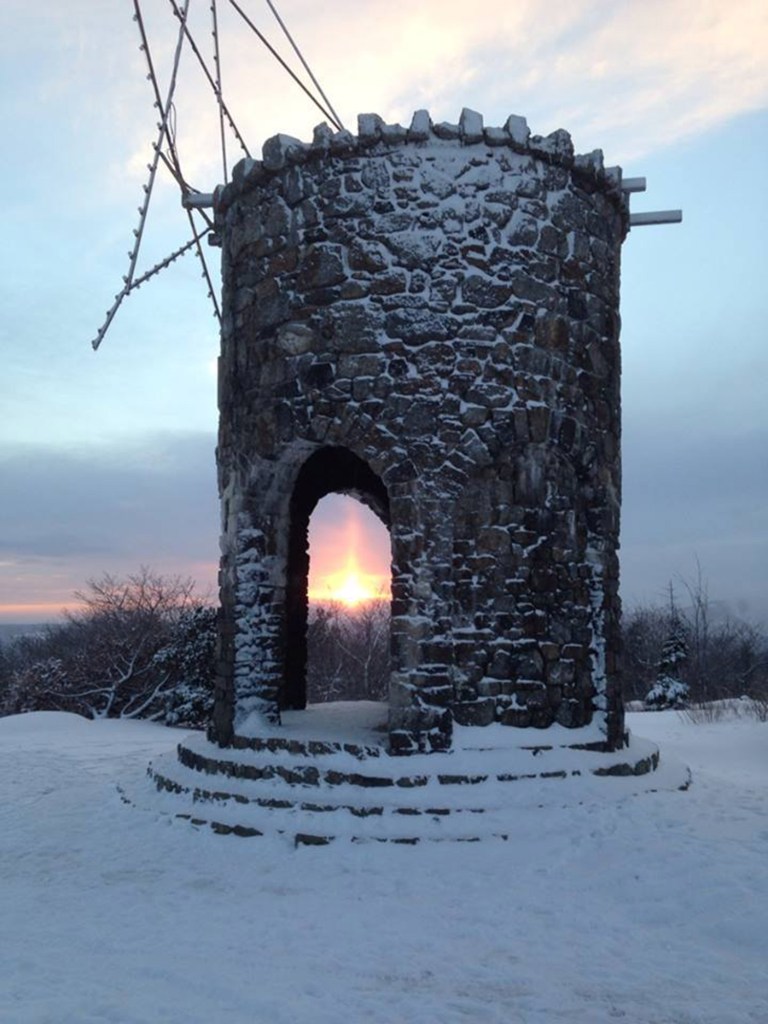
(427, 318)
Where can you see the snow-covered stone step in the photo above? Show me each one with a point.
(306, 822)
(462, 767)
(432, 797)
(322, 817)
(314, 821)
(307, 748)
(301, 781)
(456, 805)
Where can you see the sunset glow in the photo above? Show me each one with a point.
(34, 612)
(349, 554)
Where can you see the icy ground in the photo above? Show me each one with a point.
(651, 909)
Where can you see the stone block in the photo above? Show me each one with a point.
(295, 338)
(478, 712)
(496, 136)
(393, 133)
(369, 128)
(517, 129)
(484, 293)
(281, 149)
(421, 126)
(471, 125)
(518, 717)
(445, 130)
(343, 142)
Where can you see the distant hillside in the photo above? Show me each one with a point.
(10, 630)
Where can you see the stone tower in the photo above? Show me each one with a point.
(427, 319)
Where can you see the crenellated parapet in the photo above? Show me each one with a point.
(282, 151)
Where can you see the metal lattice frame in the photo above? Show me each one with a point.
(165, 152)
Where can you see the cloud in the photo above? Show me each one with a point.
(101, 500)
(631, 77)
(692, 497)
(70, 515)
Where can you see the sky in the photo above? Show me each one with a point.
(107, 459)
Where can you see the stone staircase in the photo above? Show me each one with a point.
(314, 790)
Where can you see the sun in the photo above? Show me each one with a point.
(349, 586)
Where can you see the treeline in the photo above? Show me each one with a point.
(140, 647)
(685, 654)
(144, 647)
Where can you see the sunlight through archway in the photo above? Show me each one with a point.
(349, 553)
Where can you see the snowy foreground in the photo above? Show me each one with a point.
(650, 909)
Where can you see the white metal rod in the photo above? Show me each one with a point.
(633, 184)
(197, 200)
(657, 217)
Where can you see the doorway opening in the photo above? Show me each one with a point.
(337, 621)
(348, 625)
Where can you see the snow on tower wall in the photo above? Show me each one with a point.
(427, 318)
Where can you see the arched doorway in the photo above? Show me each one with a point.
(329, 470)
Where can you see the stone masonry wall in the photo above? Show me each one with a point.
(442, 303)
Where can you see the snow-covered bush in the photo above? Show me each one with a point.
(39, 686)
(669, 690)
(190, 659)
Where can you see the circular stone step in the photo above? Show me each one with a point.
(466, 794)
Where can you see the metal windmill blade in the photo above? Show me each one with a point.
(165, 151)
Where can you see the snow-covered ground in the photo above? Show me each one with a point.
(651, 909)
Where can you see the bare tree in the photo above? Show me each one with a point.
(326, 667)
(643, 631)
(348, 652)
(121, 626)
